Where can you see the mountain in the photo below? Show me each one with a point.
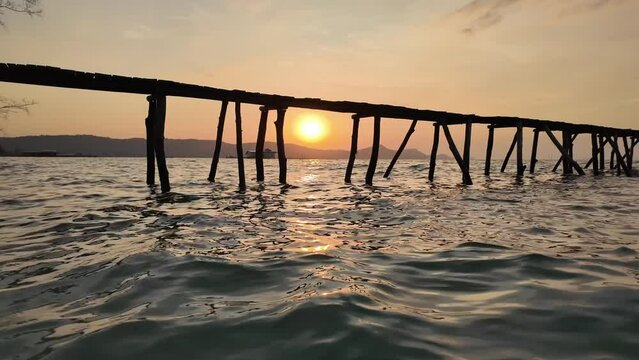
(90, 145)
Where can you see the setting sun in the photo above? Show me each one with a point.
(311, 128)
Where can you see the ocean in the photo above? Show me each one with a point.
(93, 265)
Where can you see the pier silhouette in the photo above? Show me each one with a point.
(620, 142)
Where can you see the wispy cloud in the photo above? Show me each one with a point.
(479, 15)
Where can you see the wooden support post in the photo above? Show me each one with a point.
(627, 154)
(489, 150)
(520, 149)
(433, 153)
(218, 141)
(150, 149)
(602, 152)
(259, 144)
(615, 149)
(618, 157)
(158, 142)
(460, 161)
(510, 152)
(561, 158)
(372, 165)
(631, 154)
(533, 154)
(595, 151)
(353, 153)
(281, 154)
(612, 153)
(410, 132)
(563, 151)
(467, 143)
(567, 144)
(238, 146)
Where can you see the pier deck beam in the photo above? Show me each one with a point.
(410, 132)
(150, 148)
(259, 144)
(533, 153)
(353, 153)
(281, 154)
(489, 150)
(433, 153)
(238, 146)
(563, 151)
(372, 165)
(218, 141)
(158, 141)
(460, 161)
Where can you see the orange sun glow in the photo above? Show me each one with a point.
(311, 128)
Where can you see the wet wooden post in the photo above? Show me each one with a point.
(533, 154)
(563, 150)
(372, 165)
(602, 152)
(628, 149)
(259, 144)
(433, 153)
(281, 154)
(410, 132)
(615, 149)
(489, 149)
(618, 157)
(567, 144)
(467, 142)
(595, 151)
(520, 149)
(561, 158)
(150, 149)
(238, 145)
(612, 153)
(158, 142)
(218, 141)
(460, 161)
(509, 153)
(353, 153)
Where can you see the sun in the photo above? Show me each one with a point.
(311, 128)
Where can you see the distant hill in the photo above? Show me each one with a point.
(90, 145)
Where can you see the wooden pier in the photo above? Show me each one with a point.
(619, 142)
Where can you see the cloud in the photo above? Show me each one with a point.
(479, 15)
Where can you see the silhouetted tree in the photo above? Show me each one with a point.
(31, 8)
(28, 7)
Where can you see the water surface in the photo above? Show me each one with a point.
(93, 265)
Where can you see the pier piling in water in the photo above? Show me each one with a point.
(520, 150)
(353, 152)
(489, 149)
(467, 142)
(466, 179)
(281, 154)
(410, 132)
(238, 146)
(150, 149)
(533, 152)
(372, 164)
(159, 120)
(259, 144)
(564, 150)
(218, 141)
(433, 153)
(509, 153)
(595, 151)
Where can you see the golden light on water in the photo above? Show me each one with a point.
(311, 128)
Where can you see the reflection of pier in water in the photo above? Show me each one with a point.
(621, 142)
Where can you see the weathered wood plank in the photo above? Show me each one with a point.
(372, 165)
(353, 152)
(218, 141)
(433, 153)
(466, 179)
(259, 144)
(410, 132)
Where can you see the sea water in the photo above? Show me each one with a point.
(94, 265)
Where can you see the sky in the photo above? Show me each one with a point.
(568, 60)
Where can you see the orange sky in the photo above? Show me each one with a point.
(571, 60)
